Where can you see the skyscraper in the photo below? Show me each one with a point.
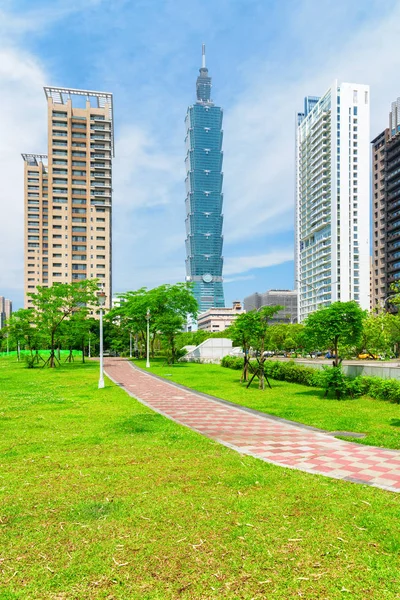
(204, 195)
(332, 199)
(385, 208)
(68, 193)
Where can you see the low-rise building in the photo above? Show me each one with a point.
(285, 298)
(5, 310)
(218, 319)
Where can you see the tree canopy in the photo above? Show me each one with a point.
(340, 322)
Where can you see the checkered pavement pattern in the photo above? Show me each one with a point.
(273, 440)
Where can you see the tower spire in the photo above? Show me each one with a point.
(203, 84)
(203, 56)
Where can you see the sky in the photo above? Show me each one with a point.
(264, 56)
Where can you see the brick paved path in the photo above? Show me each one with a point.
(273, 440)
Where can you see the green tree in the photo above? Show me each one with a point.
(20, 328)
(170, 306)
(376, 334)
(53, 305)
(73, 334)
(341, 323)
(242, 333)
(333, 327)
(261, 337)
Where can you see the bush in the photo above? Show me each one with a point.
(376, 387)
(232, 362)
(30, 361)
(334, 379)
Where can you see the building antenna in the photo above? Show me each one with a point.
(203, 56)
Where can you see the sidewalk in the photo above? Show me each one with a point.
(268, 438)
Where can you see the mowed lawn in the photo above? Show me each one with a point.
(102, 498)
(379, 420)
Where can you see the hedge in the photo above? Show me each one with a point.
(376, 387)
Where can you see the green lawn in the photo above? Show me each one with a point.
(378, 419)
(102, 498)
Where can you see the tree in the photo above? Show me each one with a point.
(339, 323)
(242, 332)
(21, 329)
(53, 305)
(74, 333)
(130, 315)
(170, 306)
(261, 336)
(376, 334)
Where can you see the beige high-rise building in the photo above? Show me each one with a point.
(68, 193)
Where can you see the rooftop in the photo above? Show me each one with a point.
(61, 95)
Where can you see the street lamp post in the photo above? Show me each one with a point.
(102, 299)
(130, 344)
(148, 339)
(89, 354)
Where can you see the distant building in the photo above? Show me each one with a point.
(5, 310)
(218, 319)
(385, 268)
(204, 195)
(285, 298)
(332, 239)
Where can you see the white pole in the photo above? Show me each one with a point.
(148, 340)
(130, 344)
(101, 378)
(89, 347)
(8, 348)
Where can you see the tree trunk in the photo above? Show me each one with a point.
(336, 359)
(51, 362)
(83, 351)
(172, 342)
(244, 377)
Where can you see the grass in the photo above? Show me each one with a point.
(100, 498)
(379, 420)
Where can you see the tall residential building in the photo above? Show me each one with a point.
(379, 203)
(68, 195)
(332, 240)
(204, 195)
(5, 310)
(386, 208)
(285, 298)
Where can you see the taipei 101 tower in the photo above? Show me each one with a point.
(204, 195)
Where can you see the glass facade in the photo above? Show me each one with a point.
(204, 196)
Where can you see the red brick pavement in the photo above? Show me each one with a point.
(273, 440)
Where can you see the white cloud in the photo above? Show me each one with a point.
(22, 129)
(260, 127)
(238, 278)
(242, 264)
(143, 176)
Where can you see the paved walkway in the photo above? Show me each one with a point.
(273, 440)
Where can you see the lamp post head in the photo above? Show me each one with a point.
(101, 297)
(148, 315)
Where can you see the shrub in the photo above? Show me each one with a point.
(232, 362)
(30, 361)
(334, 379)
(376, 387)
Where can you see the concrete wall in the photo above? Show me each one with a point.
(354, 370)
(211, 350)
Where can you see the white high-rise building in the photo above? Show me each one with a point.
(332, 233)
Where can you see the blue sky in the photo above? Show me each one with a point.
(264, 56)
